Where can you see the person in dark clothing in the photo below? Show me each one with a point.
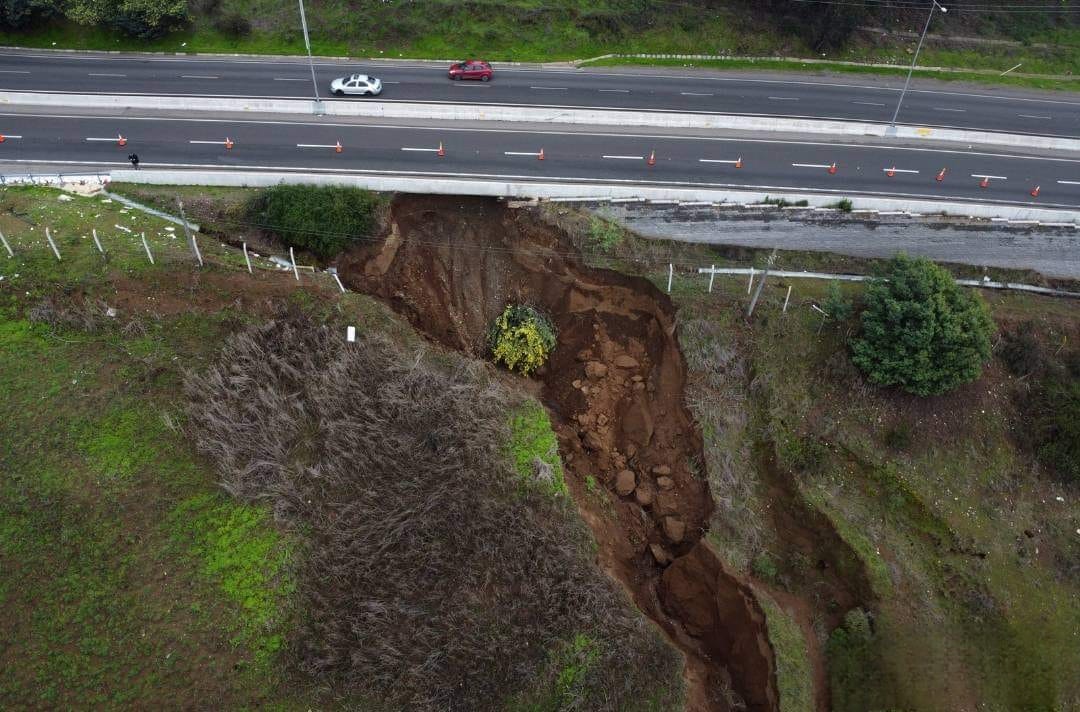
(134, 158)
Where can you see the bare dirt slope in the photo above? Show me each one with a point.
(615, 388)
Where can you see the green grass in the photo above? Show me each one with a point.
(531, 439)
(793, 675)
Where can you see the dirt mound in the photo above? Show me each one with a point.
(615, 388)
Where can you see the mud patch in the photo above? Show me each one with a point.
(615, 389)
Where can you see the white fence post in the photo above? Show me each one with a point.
(670, 275)
(97, 242)
(750, 284)
(338, 280)
(292, 257)
(48, 236)
(247, 259)
(147, 246)
(787, 299)
(712, 276)
(6, 245)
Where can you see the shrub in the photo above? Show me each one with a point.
(604, 235)
(1021, 352)
(145, 19)
(1057, 426)
(233, 24)
(837, 305)
(522, 338)
(920, 331)
(321, 219)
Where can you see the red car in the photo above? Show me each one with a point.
(471, 69)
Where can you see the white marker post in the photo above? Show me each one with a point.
(338, 280)
(97, 242)
(247, 259)
(350, 334)
(292, 258)
(147, 246)
(787, 299)
(670, 276)
(750, 284)
(190, 235)
(48, 236)
(6, 245)
(712, 276)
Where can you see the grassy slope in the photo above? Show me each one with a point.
(527, 30)
(129, 577)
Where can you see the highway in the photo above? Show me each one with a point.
(579, 155)
(865, 99)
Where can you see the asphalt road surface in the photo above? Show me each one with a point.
(870, 99)
(569, 155)
(1047, 251)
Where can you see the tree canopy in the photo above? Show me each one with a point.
(921, 331)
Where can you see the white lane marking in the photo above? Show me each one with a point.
(290, 79)
(868, 103)
(695, 93)
(197, 76)
(717, 160)
(317, 145)
(898, 170)
(7, 136)
(215, 143)
(550, 88)
(520, 153)
(615, 91)
(13, 71)
(113, 139)
(783, 98)
(670, 137)
(1033, 116)
(471, 84)
(391, 82)
(510, 176)
(811, 165)
(945, 108)
(425, 150)
(980, 175)
(626, 158)
(1069, 182)
(104, 74)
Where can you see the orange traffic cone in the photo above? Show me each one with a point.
(832, 169)
(337, 147)
(941, 176)
(2, 139)
(228, 143)
(985, 182)
(891, 172)
(1035, 191)
(120, 140)
(738, 162)
(540, 156)
(442, 151)
(652, 159)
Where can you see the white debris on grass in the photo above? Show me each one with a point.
(63, 198)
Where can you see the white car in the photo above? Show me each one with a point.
(358, 84)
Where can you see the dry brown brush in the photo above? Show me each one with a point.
(430, 578)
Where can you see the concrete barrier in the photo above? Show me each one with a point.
(535, 115)
(568, 192)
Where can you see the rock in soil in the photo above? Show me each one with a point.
(595, 369)
(663, 470)
(674, 529)
(624, 361)
(644, 495)
(625, 482)
(659, 554)
(665, 483)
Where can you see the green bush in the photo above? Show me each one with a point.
(323, 220)
(920, 331)
(522, 338)
(1057, 426)
(604, 235)
(146, 19)
(837, 305)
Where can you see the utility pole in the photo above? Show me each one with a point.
(311, 61)
(934, 5)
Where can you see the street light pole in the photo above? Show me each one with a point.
(311, 62)
(933, 5)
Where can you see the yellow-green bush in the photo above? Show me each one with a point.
(522, 338)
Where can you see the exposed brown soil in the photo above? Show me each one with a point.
(614, 387)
